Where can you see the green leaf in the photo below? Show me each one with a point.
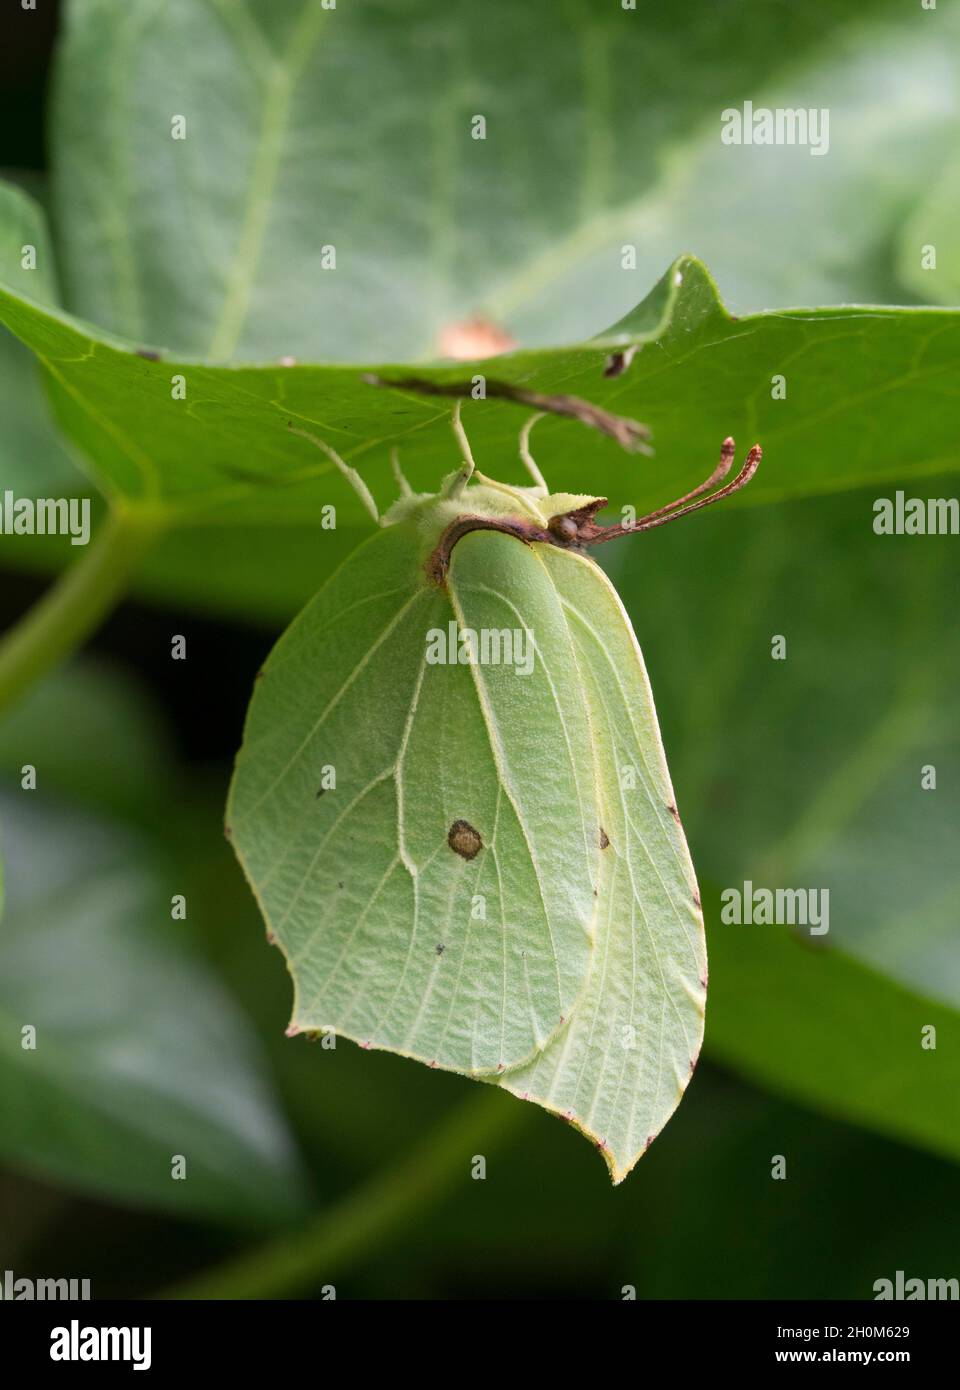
(26, 252)
(474, 859)
(929, 250)
(782, 226)
(33, 459)
(225, 449)
(32, 456)
(533, 235)
(165, 241)
(586, 135)
(835, 1034)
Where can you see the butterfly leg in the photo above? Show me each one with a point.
(525, 455)
(458, 481)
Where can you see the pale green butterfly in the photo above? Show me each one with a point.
(453, 806)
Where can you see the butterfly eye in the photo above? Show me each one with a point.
(564, 527)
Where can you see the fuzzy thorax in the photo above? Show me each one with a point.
(435, 513)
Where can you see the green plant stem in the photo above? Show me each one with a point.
(76, 603)
(368, 1216)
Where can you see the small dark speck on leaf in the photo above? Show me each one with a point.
(339, 885)
(674, 812)
(618, 362)
(149, 353)
(464, 840)
(321, 792)
(696, 899)
(440, 948)
(227, 831)
(604, 841)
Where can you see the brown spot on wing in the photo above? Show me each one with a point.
(464, 840)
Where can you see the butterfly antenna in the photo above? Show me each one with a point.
(351, 474)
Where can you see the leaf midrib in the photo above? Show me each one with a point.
(279, 88)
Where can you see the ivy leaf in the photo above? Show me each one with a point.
(224, 450)
(282, 105)
(33, 458)
(532, 233)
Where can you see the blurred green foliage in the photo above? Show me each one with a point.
(307, 129)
